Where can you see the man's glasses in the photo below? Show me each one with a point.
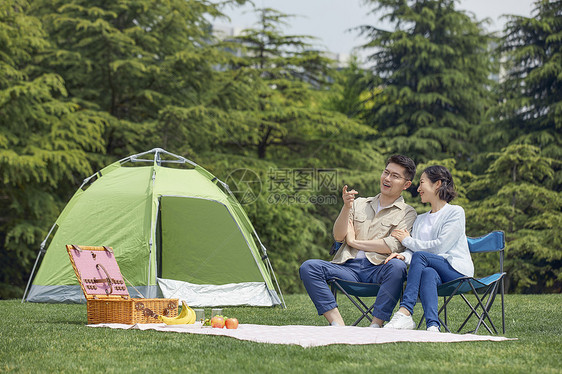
(394, 176)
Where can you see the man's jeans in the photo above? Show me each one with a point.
(391, 276)
(427, 272)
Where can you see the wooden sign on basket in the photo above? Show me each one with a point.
(107, 297)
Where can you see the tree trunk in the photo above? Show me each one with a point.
(513, 197)
(262, 145)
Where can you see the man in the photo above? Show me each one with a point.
(364, 226)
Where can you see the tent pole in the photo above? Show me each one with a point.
(264, 250)
(276, 282)
(270, 268)
(31, 275)
(152, 228)
(157, 158)
(41, 250)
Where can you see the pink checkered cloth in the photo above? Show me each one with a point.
(313, 336)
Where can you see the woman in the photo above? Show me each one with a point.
(437, 251)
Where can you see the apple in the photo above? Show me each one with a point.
(217, 322)
(231, 323)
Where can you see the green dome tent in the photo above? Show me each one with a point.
(176, 233)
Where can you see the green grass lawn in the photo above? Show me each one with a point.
(54, 338)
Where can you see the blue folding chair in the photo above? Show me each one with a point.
(484, 289)
(354, 291)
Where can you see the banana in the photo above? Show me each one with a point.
(193, 316)
(184, 310)
(186, 316)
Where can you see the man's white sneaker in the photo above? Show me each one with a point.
(375, 325)
(400, 321)
(433, 328)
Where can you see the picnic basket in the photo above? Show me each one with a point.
(107, 297)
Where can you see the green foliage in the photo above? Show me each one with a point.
(285, 115)
(349, 95)
(131, 59)
(434, 68)
(513, 199)
(86, 82)
(530, 111)
(44, 140)
(520, 190)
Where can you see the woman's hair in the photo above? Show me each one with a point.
(441, 173)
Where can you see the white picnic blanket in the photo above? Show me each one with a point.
(313, 336)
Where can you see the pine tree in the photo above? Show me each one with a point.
(512, 196)
(286, 121)
(138, 61)
(434, 66)
(520, 191)
(348, 94)
(530, 111)
(44, 144)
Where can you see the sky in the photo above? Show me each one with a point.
(329, 20)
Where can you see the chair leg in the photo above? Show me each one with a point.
(503, 307)
(365, 310)
(474, 311)
(445, 311)
(489, 302)
(444, 307)
(490, 293)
